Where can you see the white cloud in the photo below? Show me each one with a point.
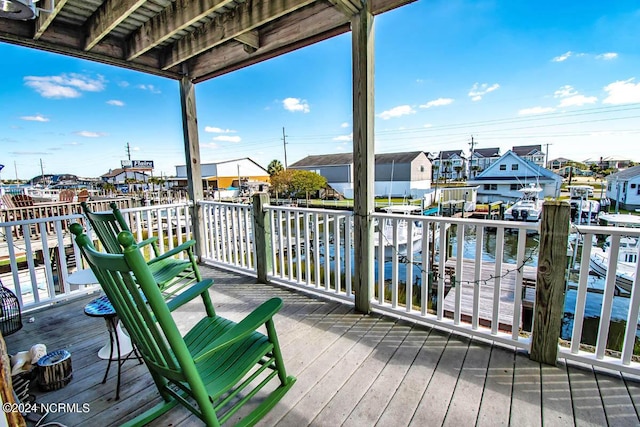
(401, 110)
(212, 145)
(150, 88)
(115, 102)
(428, 125)
(565, 91)
(437, 103)
(64, 85)
(344, 138)
(607, 56)
(36, 118)
(89, 134)
(295, 104)
(562, 57)
(535, 110)
(227, 138)
(622, 92)
(577, 101)
(213, 129)
(123, 84)
(345, 125)
(478, 90)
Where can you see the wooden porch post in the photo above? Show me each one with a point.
(192, 153)
(262, 236)
(363, 155)
(550, 283)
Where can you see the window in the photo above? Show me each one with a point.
(422, 168)
(503, 167)
(513, 187)
(491, 187)
(514, 167)
(633, 186)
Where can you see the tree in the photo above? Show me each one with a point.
(306, 182)
(274, 167)
(281, 182)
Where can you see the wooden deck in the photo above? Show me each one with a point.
(352, 370)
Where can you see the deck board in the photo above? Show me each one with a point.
(352, 369)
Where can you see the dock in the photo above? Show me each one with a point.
(486, 286)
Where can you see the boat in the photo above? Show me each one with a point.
(400, 246)
(583, 209)
(42, 194)
(528, 207)
(627, 260)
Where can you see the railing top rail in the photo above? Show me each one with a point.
(210, 202)
(310, 210)
(40, 220)
(614, 231)
(156, 207)
(463, 221)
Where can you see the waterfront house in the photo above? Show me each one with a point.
(482, 158)
(556, 164)
(609, 162)
(502, 180)
(406, 174)
(532, 153)
(623, 188)
(448, 165)
(123, 178)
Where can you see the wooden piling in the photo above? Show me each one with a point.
(554, 232)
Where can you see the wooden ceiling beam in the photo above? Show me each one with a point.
(46, 18)
(176, 17)
(345, 6)
(302, 28)
(246, 17)
(108, 16)
(250, 39)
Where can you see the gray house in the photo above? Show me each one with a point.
(482, 158)
(502, 180)
(396, 174)
(533, 153)
(624, 188)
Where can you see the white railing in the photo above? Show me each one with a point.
(615, 293)
(312, 248)
(41, 254)
(228, 235)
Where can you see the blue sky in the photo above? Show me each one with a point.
(509, 73)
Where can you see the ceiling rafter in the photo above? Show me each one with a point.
(246, 17)
(250, 40)
(345, 6)
(46, 18)
(107, 17)
(174, 18)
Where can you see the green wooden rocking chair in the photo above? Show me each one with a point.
(171, 273)
(217, 366)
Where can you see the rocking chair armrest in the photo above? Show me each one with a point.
(186, 246)
(190, 293)
(246, 326)
(150, 241)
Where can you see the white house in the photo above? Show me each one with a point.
(624, 188)
(482, 158)
(533, 153)
(502, 180)
(396, 174)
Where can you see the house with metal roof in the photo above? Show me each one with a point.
(405, 174)
(623, 188)
(504, 178)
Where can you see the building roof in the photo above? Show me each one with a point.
(528, 172)
(626, 174)
(347, 159)
(118, 171)
(486, 152)
(560, 160)
(450, 153)
(527, 150)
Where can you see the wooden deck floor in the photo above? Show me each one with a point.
(352, 370)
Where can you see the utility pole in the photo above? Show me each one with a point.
(472, 144)
(284, 142)
(546, 162)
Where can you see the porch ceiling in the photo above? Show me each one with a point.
(171, 38)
